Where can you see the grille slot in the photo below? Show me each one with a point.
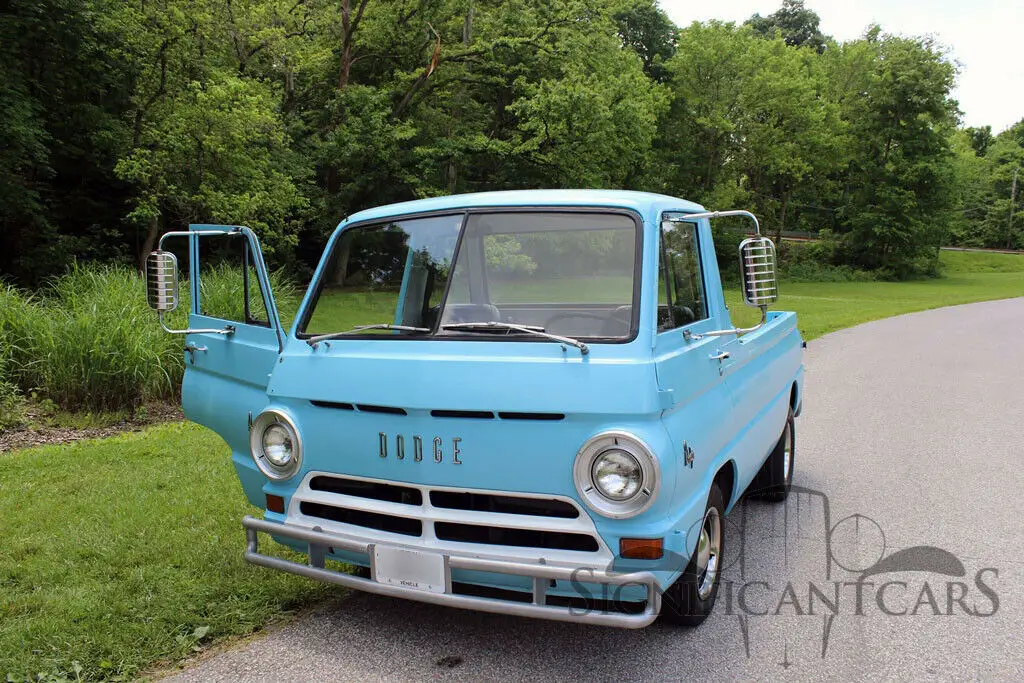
(387, 410)
(333, 404)
(469, 414)
(523, 538)
(551, 417)
(368, 489)
(363, 518)
(513, 505)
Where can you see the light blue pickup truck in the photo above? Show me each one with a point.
(532, 403)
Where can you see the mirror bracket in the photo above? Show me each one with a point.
(757, 267)
(697, 336)
(227, 329)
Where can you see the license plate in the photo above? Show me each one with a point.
(409, 568)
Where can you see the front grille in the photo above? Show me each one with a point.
(408, 510)
(521, 538)
(513, 505)
(368, 489)
(364, 518)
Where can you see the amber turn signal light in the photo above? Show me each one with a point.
(276, 504)
(641, 548)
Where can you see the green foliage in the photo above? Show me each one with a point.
(61, 125)
(121, 121)
(12, 404)
(796, 24)
(644, 27)
(817, 262)
(100, 348)
(221, 294)
(91, 343)
(506, 252)
(991, 209)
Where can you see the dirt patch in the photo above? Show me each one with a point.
(43, 433)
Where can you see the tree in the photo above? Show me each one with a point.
(207, 143)
(981, 138)
(896, 198)
(644, 27)
(61, 100)
(797, 25)
(748, 122)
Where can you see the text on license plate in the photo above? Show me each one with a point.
(409, 568)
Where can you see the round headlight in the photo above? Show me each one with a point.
(278, 446)
(275, 445)
(616, 474)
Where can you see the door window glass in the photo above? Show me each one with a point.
(681, 298)
(229, 287)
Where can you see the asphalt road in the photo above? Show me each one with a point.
(911, 437)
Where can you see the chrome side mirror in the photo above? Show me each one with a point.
(757, 263)
(162, 281)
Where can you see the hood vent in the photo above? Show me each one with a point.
(333, 404)
(361, 407)
(551, 417)
(388, 410)
(466, 414)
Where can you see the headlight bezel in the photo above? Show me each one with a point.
(590, 492)
(260, 425)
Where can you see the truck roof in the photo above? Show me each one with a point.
(642, 202)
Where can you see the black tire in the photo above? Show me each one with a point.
(689, 600)
(775, 479)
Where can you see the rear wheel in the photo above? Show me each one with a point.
(691, 598)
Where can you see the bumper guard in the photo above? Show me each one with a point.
(319, 542)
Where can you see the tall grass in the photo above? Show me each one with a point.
(12, 404)
(89, 342)
(19, 317)
(102, 349)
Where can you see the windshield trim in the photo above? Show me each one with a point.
(433, 335)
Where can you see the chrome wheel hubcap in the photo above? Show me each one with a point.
(708, 548)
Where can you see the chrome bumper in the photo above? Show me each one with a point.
(319, 542)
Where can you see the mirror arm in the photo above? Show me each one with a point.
(717, 214)
(693, 336)
(228, 329)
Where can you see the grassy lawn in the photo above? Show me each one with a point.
(125, 552)
(824, 307)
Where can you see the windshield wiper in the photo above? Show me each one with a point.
(313, 341)
(526, 329)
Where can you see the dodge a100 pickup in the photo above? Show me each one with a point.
(533, 403)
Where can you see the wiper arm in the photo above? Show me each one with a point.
(526, 329)
(313, 341)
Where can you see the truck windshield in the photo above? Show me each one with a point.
(565, 273)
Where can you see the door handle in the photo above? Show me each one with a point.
(719, 356)
(191, 349)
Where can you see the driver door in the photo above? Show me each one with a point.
(226, 374)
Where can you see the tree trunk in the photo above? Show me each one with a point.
(782, 218)
(346, 43)
(349, 24)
